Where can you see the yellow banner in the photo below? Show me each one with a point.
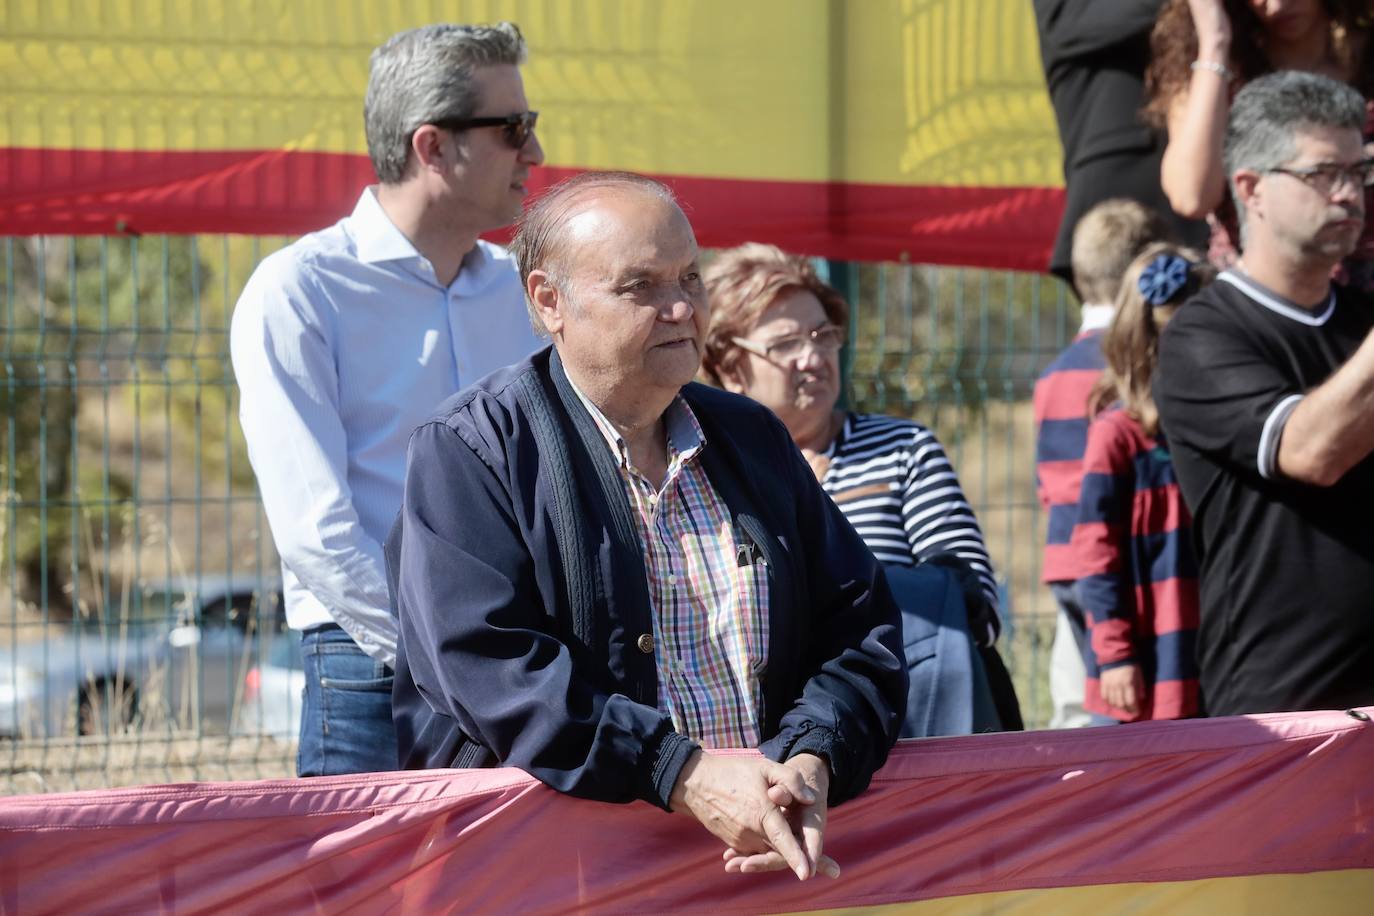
(902, 92)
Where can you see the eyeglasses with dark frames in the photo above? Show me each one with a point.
(826, 339)
(516, 128)
(1326, 177)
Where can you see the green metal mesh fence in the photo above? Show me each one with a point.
(141, 630)
(959, 351)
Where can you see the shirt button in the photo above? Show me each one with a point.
(645, 643)
(672, 580)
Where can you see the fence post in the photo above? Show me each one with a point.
(839, 275)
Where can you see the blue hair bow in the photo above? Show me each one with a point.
(1162, 278)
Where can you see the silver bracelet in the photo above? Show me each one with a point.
(1220, 70)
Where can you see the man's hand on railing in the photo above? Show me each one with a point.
(807, 820)
(770, 815)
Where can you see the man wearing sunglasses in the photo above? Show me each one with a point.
(1266, 393)
(345, 341)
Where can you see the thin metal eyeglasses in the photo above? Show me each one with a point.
(828, 338)
(516, 127)
(1328, 176)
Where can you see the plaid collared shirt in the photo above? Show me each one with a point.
(709, 599)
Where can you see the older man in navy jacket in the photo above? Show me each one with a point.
(602, 571)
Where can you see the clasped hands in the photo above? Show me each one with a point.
(770, 815)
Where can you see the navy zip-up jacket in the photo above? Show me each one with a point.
(518, 580)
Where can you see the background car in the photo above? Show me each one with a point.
(272, 692)
(173, 659)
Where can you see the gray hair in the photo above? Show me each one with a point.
(1269, 112)
(425, 75)
(538, 241)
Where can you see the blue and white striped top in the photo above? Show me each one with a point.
(892, 480)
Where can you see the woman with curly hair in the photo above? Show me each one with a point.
(1203, 51)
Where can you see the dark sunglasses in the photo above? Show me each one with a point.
(516, 128)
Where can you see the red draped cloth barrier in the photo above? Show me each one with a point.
(1227, 812)
(285, 193)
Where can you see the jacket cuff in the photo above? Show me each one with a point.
(823, 742)
(669, 759)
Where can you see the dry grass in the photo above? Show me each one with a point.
(181, 503)
(196, 510)
(189, 513)
(98, 761)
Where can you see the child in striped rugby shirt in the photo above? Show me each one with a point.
(1132, 539)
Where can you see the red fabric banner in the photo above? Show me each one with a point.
(1172, 815)
(274, 192)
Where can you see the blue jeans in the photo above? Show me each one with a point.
(346, 712)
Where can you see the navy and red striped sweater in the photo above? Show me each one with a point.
(1138, 583)
(1061, 422)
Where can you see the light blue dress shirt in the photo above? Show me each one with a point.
(343, 343)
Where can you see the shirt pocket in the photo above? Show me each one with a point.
(752, 596)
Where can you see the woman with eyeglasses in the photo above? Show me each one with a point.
(1203, 51)
(775, 336)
